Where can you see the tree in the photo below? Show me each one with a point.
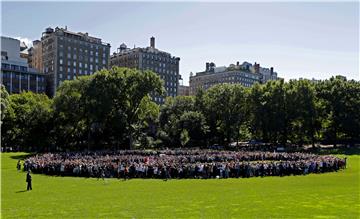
(71, 122)
(340, 101)
(4, 101)
(303, 109)
(27, 122)
(169, 117)
(107, 108)
(192, 125)
(184, 137)
(225, 111)
(181, 124)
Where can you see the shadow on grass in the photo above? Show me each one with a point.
(21, 191)
(21, 157)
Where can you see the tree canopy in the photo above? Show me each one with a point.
(113, 109)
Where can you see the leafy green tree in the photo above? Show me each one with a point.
(128, 92)
(225, 111)
(71, 123)
(304, 111)
(170, 114)
(107, 108)
(27, 123)
(184, 137)
(192, 124)
(340, 102)
(4, 101)
(179, 121)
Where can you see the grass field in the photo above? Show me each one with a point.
(330, 195)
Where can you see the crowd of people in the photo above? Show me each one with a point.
(168, 164)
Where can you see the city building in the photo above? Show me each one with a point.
(16, 75)
(65, 55)
(150, 58)
(35, 56)
(184, 90)
(245, 74)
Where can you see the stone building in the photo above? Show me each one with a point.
(65, 55)
(150, 58)
(245, 74)
(184, 90)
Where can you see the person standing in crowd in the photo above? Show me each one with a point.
(126, 173)
(18, 165)
(28, 180)
(101, 174)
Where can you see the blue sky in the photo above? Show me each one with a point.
(310, 40)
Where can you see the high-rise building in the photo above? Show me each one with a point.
(245, 74)
(150, 58)
(65, 55)
(16, 75)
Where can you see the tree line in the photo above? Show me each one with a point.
(113, 109)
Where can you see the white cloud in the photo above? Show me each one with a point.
(27, 41)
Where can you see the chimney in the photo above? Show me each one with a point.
(257, 68)
(152, 42)
(271, 70)
(237, 63)
(207, 66)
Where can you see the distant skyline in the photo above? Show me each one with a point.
(308, 40)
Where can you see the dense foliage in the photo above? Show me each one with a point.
(112, 109)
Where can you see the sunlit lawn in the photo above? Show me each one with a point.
(330, 195)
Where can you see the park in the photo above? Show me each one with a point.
(99, 150)
(326, 195)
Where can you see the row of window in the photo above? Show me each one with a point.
(159, 58)
(79, 64)
(80, 68)
(17, 76)
(73, 75)
(16, 87)
(171, 89)
(81, 42)
(159, 99)
(81, 58)
(14, 67)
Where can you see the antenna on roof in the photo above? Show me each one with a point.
(134, 46)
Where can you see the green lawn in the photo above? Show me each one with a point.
(330, 195)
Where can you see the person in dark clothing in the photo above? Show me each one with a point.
(18, 165)
(28, 180)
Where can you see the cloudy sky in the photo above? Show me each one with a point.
(309, 40)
